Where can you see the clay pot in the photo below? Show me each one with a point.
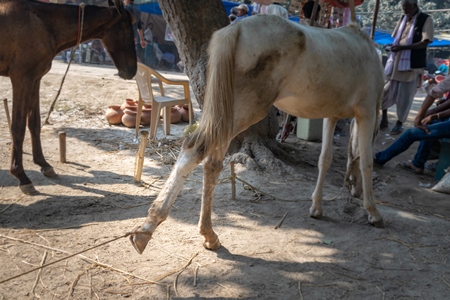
(114, 114)
(146, 116)
(184, 110)
(129, 118)
(175, 115)
(128, 103)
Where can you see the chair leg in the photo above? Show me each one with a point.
(156, 109)
(138, 116)
(191, 113)
(166, 119)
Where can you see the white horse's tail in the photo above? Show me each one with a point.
(216, 125)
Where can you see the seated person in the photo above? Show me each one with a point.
(443, 68)
(165, 59)
(168, 59)
(232, 17)
(97, 51)
(157, 52)
(429, 125)
(241, 12)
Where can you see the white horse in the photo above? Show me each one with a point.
(305, 71)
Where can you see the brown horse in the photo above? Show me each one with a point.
(32, 34)
(305, 71)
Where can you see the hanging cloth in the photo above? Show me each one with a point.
(405, 56)
(343, 3)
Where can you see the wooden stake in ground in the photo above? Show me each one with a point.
(62, 147)
(139, 162)
(8, 117)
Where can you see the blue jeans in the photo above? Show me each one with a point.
(438, 130)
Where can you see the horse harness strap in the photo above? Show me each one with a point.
(72, 54)
(80, 22)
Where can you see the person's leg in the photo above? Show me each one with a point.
(421, 156)
(437, 131)
(406, 93)
(384, 119)
(147, 55)
(389, 99)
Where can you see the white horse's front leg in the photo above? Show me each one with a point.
(211, 170)
(159, 210)
(326, 156)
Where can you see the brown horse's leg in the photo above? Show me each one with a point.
(188, 159)
(21, 94)
(212, 166)
(34, 125)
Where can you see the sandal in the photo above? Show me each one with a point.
(408, 165)
(397, 130)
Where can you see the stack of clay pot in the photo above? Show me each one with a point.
(184, 111)
(175, 115)
(114, 114)
(127, 112)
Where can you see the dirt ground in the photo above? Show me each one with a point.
(94, 200)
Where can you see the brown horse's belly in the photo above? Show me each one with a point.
(4, 67)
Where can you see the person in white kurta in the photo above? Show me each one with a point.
(404, 68)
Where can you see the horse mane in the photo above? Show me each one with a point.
(216, 125)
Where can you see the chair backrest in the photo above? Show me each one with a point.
(144, 81)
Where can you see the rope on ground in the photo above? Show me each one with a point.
(64, 258)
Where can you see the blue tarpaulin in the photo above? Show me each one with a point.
(383, 37)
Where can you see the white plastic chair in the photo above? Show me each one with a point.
(145, 76)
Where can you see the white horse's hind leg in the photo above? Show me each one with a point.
(325, 159)
(365, 130)
(212, 166)
(159, 210)
(353, 177)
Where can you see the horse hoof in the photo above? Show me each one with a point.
(314, 213)
(48, 172)
(377, 224)
(212, 245)
(139, 240)
(28, 189)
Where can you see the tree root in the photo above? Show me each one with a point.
(258, 153)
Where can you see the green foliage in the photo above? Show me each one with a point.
(391, 11)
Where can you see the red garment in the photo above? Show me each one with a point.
(343, 3)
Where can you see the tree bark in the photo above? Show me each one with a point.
(192, 24)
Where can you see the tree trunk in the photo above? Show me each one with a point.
(192, 24)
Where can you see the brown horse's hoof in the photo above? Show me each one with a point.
(48, 172)
(28, 189)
